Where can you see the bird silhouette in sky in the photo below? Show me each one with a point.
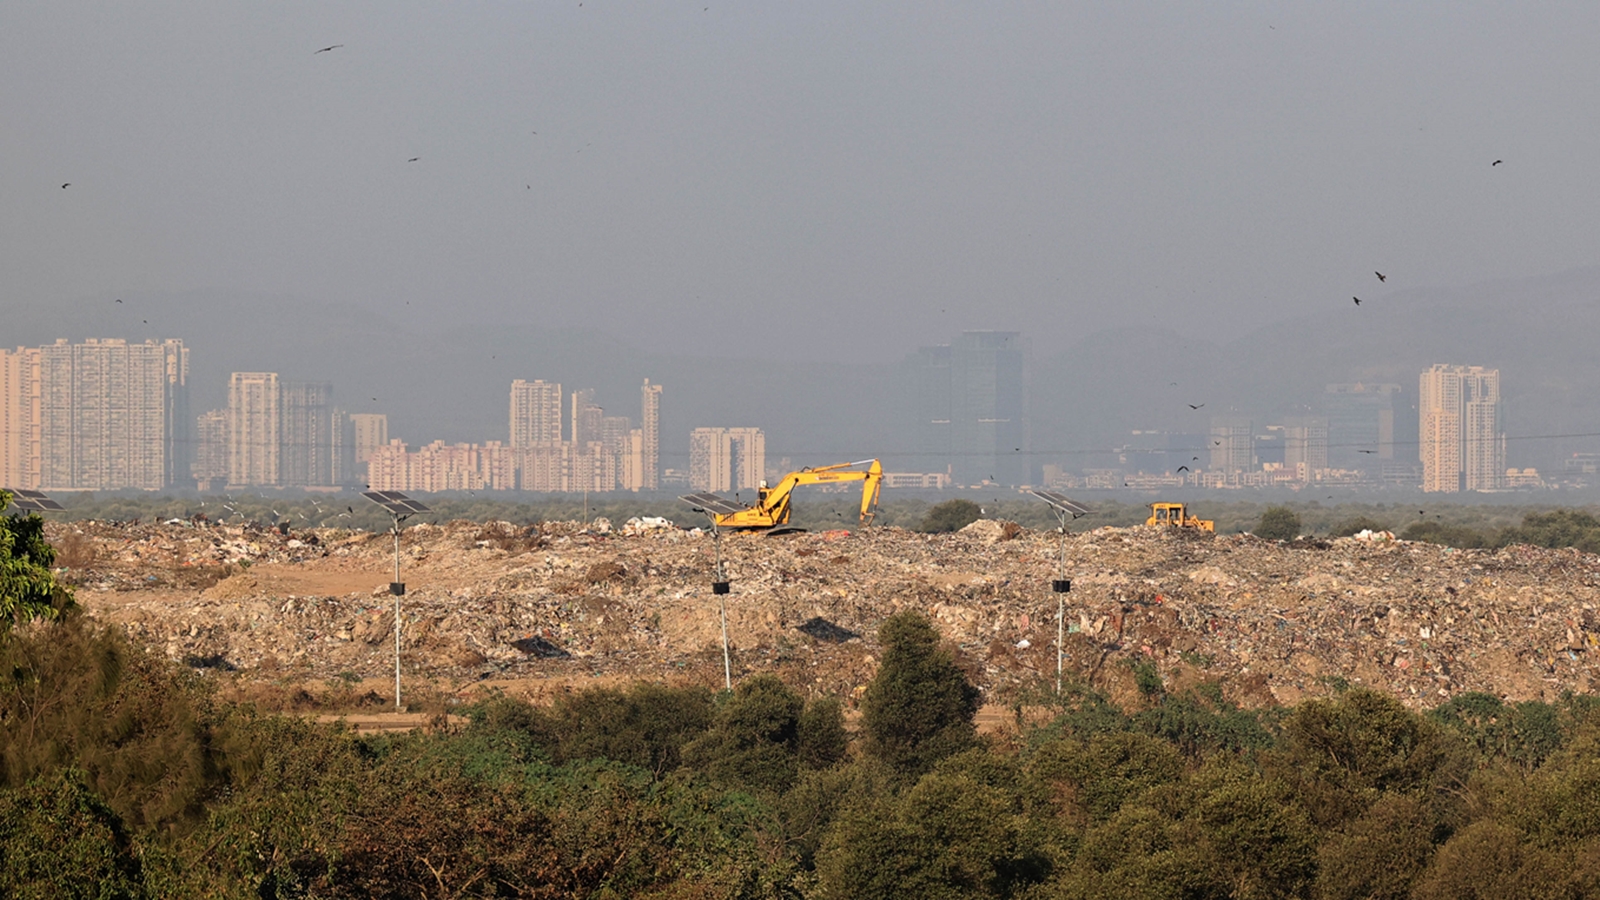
(1357, 300)
(1193, 406)
(1380, 276)
(1183, 468)
(1366, 451)
(1496, 163)
(413, 159)
(326, 49)
(119, 299)
(1216, 443)
(67, 185)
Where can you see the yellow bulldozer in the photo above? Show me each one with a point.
(771, 510)
(1176, 515)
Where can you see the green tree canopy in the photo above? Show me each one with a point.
(1278, 523)
(28, 589)
(951, 515)
(920, 707)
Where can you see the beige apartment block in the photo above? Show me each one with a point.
(387, 468)
(535, 413)
(210, 463)
(726, 459)
(111, 414)
(1462, 446)
(21, 461)
(650, 426)
(371, 432)
(255, 429)
(632, 471)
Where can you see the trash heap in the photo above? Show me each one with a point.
(1271, 622)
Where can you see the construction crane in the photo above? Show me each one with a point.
(771, 509)
(1177, 516)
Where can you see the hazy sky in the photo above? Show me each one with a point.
(819, 179)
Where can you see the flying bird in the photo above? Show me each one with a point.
(1192, 406)
(326, 49)
(413, 159)
(1357, 300)
(1380, 276)
(1216, 443)
(1496, 163)
(119, 299)
(67, 185)
(1183, 468)
(1366, 451)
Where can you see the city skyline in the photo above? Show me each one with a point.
(1346, 436)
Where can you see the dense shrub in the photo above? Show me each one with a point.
(951, 515)
(1458, 536)
(1278, 523)
(920, 708)
(58, 839)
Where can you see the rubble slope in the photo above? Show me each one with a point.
(1272, 622)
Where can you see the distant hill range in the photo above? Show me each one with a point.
(453, 385)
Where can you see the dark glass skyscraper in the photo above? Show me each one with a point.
(966, 401)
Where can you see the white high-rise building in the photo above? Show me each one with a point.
(371, 432)
(726, 459)
(109, 414)
(255, 429)
(1462, 446)
(535, 413)
(650, 430)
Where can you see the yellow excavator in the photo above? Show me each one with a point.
(1177, 516)
(771, 509)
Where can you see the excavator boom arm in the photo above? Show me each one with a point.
(772, 509)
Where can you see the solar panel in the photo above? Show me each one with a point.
(713, 503)
(1061, 503)
(32, 501)
(396, 502)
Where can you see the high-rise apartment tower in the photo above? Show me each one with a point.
(1462, 446)
(650, 428)
(255, 429)
(104, 412)
(535, 413)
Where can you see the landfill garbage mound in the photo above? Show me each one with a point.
(1270, 622)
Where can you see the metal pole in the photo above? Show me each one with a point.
(722, 609)
(1061, 603)
(727, 664)
(396, 615)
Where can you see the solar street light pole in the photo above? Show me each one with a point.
(1065, 511)
(398, 589)
(400, 508)
(710, 505)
